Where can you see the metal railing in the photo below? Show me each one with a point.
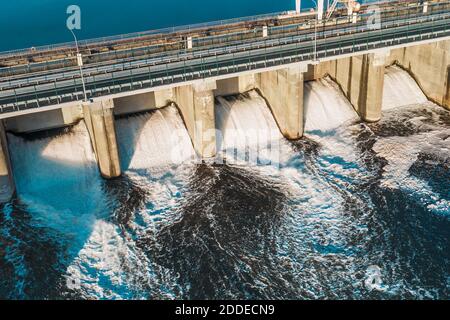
(270, 52)
(140, 53)
(274, 33)
(200, 44)
(136, 35)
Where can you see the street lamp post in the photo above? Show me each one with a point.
(316, 20)
(315, 41)
(80, 64)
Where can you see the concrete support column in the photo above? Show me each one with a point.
(196, 103)
(429, 65)
(446, 101)
(6, 178)
(99, 118)
(283, 91)
(371, 86)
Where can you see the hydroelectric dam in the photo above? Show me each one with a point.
(41, 88)
(295, 155)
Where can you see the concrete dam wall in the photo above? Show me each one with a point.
(369, 83)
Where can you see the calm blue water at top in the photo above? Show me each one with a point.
(27, 23)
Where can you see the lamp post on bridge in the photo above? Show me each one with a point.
(80, 64)
(319, 16)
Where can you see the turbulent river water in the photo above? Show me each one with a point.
(351, 211)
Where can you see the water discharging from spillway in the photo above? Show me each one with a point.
(248, 133)
(153, 140)
(352, 210)
(60, 198)
(400, 89)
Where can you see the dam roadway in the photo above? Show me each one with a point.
(252, 45)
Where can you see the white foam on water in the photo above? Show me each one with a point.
(108, 266)
(153, 148)
(328, 120)
(402, 152)
(400, 89)
(58, 179)
(326, 108)
(247, 124)
(248, 132)
(155, 139)
(59, 185)
(157, 154)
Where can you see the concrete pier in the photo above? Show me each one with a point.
(283, 91)
(447, 94)
(429, 65)
(99, 118)
(370, 98)
(7, 187)
(196, 103)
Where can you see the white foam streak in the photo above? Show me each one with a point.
(248, 131)
(155, 139)
(326, 108)
(64, 195)
(402, 152)
(400, 89)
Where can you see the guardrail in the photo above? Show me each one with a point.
(248, 57)
(28, 76)
(189, 27)
(200, 43)
(135, 35)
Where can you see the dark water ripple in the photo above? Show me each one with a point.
(239, 233)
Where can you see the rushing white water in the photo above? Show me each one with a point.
(59, 186)
(155, 139)
(57, 176)
(326, 108)
(400, 89)
(247, 130)
(313, 226)
(327, 116)
(152, 147)
(402, 152)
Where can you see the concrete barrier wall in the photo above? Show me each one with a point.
(99, 120)
(196, 104)
(283, 91)
(143, 102)
(429, 65)
(7, 188)
(236, 85)
(44, 120)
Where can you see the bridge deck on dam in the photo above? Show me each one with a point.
(49, 76)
